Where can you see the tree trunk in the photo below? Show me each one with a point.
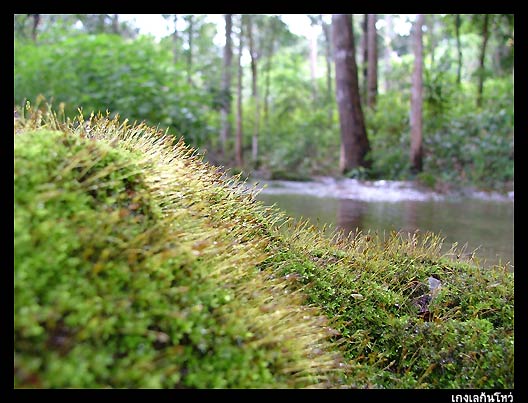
(254, 90)
(270, 49)
(364, 47)
(36, 21)
(115, 24)
(328, 57)
(372, 71)
(354, 141)
(388, 50)
(481, 60)
(416, 98)
(239, 156)
(459, 48)
(225, 132)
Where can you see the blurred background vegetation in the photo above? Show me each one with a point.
(287, 102)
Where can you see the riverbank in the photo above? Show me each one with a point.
(380, 190)
(136, 265)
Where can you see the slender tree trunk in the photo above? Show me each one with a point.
(270, 49)
(328, 57)
(364, 47)
(267, 86)
(225, 112)
(388, 51)
(254, 89)
(485, 37)
(239, 155)
(459, 48)
(36, 21)
(115, 24)
(190, 54)
(354, 141)
(175, 45)
(372, 71)
(416, 98)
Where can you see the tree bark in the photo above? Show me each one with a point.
(36, 21)
(482, 59)
(270, 50)
(416, 98)
(364, 47)
(372, 71)
(115, 23)
(225, 132)
(354, 141)
(239, 156)
(328, 56)
(254, 90)
(459, 48)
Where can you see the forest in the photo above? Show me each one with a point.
(148, 256)
(256, 98)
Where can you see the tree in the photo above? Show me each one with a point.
(328, 58)
(354, 141)
(254, 89)
(225, 112)
(482, 56)
(416, 97)
(459, 48)
(364, 47)
(239, 156)
(115, 24)
(36, 20)
(372, 71)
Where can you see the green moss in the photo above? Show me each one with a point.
(118, 284)
(464, 339)
(137, 265)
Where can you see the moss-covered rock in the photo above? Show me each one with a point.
(137, 265)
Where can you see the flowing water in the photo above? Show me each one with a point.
(482, 221)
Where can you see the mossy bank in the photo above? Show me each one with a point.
(138, 265)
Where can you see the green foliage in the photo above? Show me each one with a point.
(76, 63)
(106, 72)
(388, 131)
(474, 146)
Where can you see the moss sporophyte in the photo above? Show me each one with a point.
(139, 265)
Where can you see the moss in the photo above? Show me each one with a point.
(138, 265)
(462, 339)
(126, 277)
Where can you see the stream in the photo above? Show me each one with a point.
(478, 221)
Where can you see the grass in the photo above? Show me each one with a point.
(138, 265)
